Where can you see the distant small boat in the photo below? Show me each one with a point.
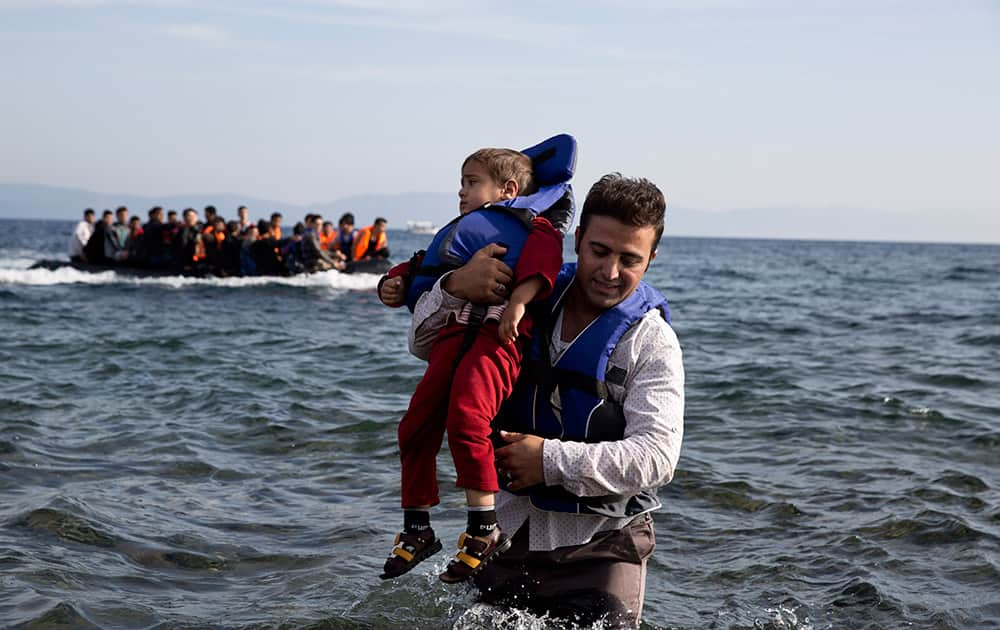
(420, 227)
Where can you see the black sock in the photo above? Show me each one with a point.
(482, 521)
(416, 521)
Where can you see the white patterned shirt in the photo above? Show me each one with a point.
(652, 399)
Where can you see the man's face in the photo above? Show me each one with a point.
(158, 216)
(108, 219)
(191, 218)
(612, 258)
(378, 228)
(346, 228)
(89, 218)
(122, 216)
(243, 214)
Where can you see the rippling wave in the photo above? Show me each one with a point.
(221, 453)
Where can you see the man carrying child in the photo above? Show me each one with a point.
(595, 423)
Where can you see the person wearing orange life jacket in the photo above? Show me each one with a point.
(189, 244)
(327, 236)
(214, 238)
(210, 214)
(275, 230)
(371, 241)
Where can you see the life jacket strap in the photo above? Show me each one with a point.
(476, 317)
(411, 269)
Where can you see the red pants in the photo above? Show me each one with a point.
(463, 400)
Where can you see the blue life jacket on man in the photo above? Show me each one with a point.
(578, 386)
(508, 222)
(345, 242)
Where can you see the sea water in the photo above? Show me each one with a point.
(220, 453)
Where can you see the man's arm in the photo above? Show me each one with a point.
(476, 281)
(653, 404)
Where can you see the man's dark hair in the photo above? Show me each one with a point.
(347, 217)
(171, 213)
(154, 210)
(263, 226)
(631, 200)
(380, 220)
(299, 229)
(89, 212)
(106, 213)
(276, 215)
(308, 218)
(210, 210)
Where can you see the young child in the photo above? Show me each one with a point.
(467, 378)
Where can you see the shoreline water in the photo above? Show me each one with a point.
(223, 455)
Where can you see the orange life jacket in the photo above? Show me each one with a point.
(361, 242)
(326, 242)
(199, 249)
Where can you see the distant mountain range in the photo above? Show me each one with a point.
(33, 201)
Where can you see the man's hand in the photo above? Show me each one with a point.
(485, 279)
(520, 462)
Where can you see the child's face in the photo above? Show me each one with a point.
(478, 188)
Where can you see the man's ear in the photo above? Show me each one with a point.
(509, 189)
(652, 257)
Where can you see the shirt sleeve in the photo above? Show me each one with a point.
(541, 255)
(82, 232)
(430, 314)
(653, 402)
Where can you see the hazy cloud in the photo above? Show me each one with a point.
(197, 32)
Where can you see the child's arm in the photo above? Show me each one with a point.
(524, 292)
(536, 271)
(391, 288)
(541, 256)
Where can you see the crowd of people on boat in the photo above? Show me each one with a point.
(210, 245)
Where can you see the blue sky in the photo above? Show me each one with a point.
(726, 104)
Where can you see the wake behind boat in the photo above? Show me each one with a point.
(374, 266)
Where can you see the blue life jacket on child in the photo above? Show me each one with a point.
(553, 162)
(578, 386)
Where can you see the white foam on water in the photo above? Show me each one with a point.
(17, 260)
(15, 271)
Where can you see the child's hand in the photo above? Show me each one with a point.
(512, 315)
(391, 292)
